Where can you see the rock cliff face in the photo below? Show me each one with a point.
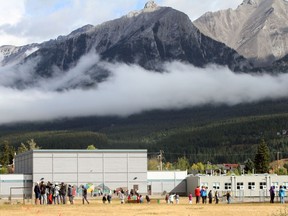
(148, 37)
(257, 29)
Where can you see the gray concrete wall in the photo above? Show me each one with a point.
(24, 163)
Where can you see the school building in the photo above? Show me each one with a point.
(127, 169)
(103, 168)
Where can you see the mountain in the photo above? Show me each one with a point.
(12, 54)
(257, 29)
(148, 37)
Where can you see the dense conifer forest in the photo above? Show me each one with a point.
(214, 133)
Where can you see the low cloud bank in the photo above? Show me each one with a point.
(131, 89)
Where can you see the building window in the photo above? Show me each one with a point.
(216, 185)
(240, 186)
(276, 185)
(228, 186)
(263, 185)
(251, 185)
(285, 185)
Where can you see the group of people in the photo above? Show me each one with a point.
(170, 198)
(204, 194)
(281, 194)
(48, 193)
(132, 196)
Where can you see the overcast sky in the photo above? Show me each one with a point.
(28, 21)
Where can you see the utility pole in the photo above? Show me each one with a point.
(160, 156)
(278, 160)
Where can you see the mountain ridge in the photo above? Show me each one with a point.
(256, 29)
(149, 38)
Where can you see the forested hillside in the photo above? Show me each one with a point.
(212, 133)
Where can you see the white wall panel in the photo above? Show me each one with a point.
(112, 177)
(137, 164)
(88, 164)
(65, 155)
(67, 178)
(115, 165)
(64, 165)
(90, 177)
(42, 165)
(115, 155)
(90, 155)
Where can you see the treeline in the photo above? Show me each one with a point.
(58, 139)
(217, 134)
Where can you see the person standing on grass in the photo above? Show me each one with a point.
(190, 198)
(84, 195)
(74, 192)
(55, 191)
(171, 198)
(43, 200)
(104, 199)
(62, 193)
(197, 194)
(203, 194)
(148, 199)
(122, 197)
(216, 197)
(37, 193)
(272, 194)
(70, 194)
(228, 196)
(210, 197)
(282, 194)
(177, 197)
(109, 198)
(167, 198)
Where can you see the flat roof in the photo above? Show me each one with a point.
(85, 151)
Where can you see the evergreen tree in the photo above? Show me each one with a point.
(249, 166)
(262, 158)
(6, 154)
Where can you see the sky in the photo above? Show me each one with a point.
(34, 21)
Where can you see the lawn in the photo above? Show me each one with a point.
(115, 208)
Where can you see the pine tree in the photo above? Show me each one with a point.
(262, 158)
(249, 166)
(6, 154)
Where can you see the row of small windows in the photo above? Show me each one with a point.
(240, 185)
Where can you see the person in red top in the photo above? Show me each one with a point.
(197, 194)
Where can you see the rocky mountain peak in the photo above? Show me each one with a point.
(250, 2)
(150, 5)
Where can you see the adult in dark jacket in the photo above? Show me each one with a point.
(109, 198)
(70, 194)
(272, 194)
(62, 193)
(84, 195)
(37, 193)
(210, 197)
